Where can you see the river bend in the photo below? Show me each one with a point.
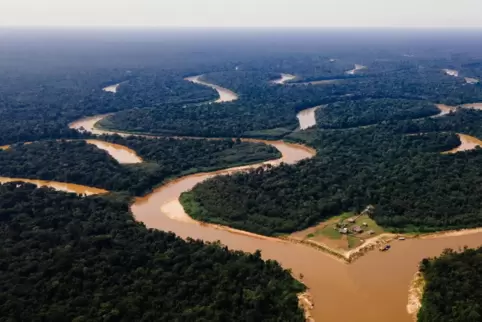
(375, 287)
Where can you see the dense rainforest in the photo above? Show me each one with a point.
(42, 94)
(71, 258)
(63, 80)
(82, 163)
(452, 289)
(412, 185)
(85, 259)
(367, 112)
(268, 110)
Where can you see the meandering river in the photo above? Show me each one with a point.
(225, 95)
(354, 70)
(307, 117)
(284, 78)
(111, 88)
(372, 289)
(451, 72)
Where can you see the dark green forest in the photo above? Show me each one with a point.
(71, 258)
(81, 163)
(367, 112)
(412, 185)
(452, 289)
(44, 111)
(263, 106)
(67, 258)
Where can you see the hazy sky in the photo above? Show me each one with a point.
(249, 13)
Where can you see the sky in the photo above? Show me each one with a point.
(242, 13)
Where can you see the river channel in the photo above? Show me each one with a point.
(372, 289)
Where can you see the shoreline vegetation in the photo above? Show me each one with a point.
(86, 258)
(447, 287)
(348, 256)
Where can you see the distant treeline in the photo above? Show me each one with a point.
(85, 164)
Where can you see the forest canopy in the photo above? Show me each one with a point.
(452, 287)
(371, 111)
(71, 258)
(412, 185)
(164, 158)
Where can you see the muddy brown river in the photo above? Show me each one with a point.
(307, 117)
(284, 78)
(119, 152)
(354, 70)
(111, 88)
(467, 143)
(225, 95)
(372, 289)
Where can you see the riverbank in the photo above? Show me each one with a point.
(467, 143)
(225, 95)
(333, 285)
(61, 186)
(305, 301)
(415, 295)
(284, 78)
(354, 70)
(121, 153)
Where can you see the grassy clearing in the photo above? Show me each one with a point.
(372, 225)
(353, 241)
(329, 231)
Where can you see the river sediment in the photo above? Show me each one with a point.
(284, 78)
(374, 287)
(111, 88)
(225, 95)
(355, 70)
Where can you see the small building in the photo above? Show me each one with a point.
(365, 224)
(352, 220)
(371, 232)
(357, 229)
(343, 231)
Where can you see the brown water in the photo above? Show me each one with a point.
(119, 152)
(357, 68)
(475, 106)
(61, 186)
(444, 109)
(307, 117)
(88, 124)
(470, 80)
(111, 88)
(284, 78)
(375, 287)
(467, 143)
(372, 289)
(225, 95)
(451, 72)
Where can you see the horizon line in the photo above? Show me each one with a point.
(229, 27)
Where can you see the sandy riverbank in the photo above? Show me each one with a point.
(415, 295)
